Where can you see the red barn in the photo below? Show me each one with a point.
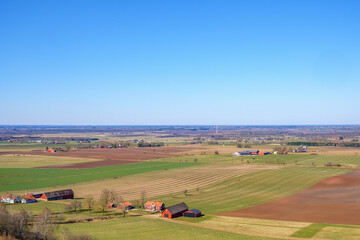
(175, 210)
(58, 195)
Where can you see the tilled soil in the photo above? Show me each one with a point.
(335, 200)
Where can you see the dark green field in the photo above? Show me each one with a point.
(14, 179)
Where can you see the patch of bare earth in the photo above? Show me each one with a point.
(111, 157)
(335, 200)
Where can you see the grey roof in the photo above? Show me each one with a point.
(195, 211)
(180, 207)
(60, 193)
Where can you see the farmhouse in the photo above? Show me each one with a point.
(58, 195)
(10, 199)
(175, 210)
(125, 205)
(194, 213)
(154, 206)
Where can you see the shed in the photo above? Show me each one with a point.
(175, 210)
(58, 195)
(34, 194)
(194, 213)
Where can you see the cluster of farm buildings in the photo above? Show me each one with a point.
(257, 152)
(173, 211)
(39, 196)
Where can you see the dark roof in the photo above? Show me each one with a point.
(60, 193)
(180, 207)
(195, 211)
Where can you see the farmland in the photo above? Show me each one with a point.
(13, 179)
(31, 161)
(205, 176)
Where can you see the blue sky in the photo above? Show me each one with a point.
(180, 62)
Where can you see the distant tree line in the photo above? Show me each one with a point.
(321, 144)
(150, 144)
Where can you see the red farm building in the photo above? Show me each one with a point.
(36, 195)
(194, 213)
(175, 210)
(125, 205)
(58, 195)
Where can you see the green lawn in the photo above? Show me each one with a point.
(252, 189)
(14, 179)
(137, 227)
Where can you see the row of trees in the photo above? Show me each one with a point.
(21, 225)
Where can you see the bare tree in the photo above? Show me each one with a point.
(89, 201)
(43, 226)
(76, 204)
(143, 195)
(104, 199)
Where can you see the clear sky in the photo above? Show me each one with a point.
(180, 62)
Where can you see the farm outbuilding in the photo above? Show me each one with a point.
(30, 199)
(175, 210)
(58, 195)
(249, 152)
(194, 213)
(36, 195)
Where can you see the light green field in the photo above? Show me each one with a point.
(252, 189)
(138, 227)
(31, 161)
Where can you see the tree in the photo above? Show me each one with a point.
(185, 192)
(43, 226)
(142, 197)
(104, 199)
(89, 201)
(216, 152)
(76, 204)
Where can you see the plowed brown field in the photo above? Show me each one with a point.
(111, 156)
(334, 200)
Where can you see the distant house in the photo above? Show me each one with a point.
(194, 213)
(31, 199)
(10, 199)
(154, 206)
(111, 205)
(236, 154)
(175, 210)
(58, 195)
(125, 205)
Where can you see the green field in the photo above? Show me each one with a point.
(138, 227)
(288, 159)
(14, 179)
(252, 189)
